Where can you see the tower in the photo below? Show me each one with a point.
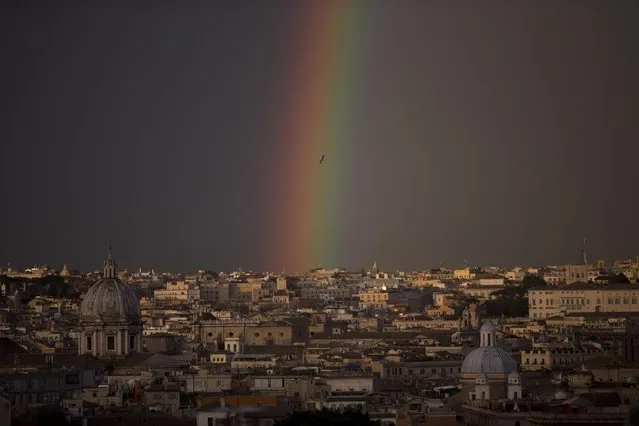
(514, 386)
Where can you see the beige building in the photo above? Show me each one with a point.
(206, 382)
(441, 299)
(214, 292)
(245, 291)
(582, 297)
(103, 395)
(481, 292)
(165, 396)
(569, 274)
(429, 323)
(253, 361)
(253, 334)
(441, 311)
(576, 273)
(373, 299)
(548, 358)
(177, 292)
(463, 274)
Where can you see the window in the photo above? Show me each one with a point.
(209, 421)
(131, 343)
(111, 343)
(89, 343)
(72, 379)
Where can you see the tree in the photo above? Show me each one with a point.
(532, 281)
(516, 307)
(348, 417)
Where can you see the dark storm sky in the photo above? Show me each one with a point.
(503, 133)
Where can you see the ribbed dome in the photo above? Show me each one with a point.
(488, 360)
(111, 298)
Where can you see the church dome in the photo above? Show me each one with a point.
(487, 358)
(110, 298)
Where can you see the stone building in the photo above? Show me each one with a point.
(280, 332)
(489, 372)
(110, 320)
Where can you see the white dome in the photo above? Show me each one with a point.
(488, 360)
(110, 298)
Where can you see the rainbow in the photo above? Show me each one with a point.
(308, 227)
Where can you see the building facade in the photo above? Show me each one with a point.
(582, 297)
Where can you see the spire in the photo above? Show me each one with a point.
(109, 265)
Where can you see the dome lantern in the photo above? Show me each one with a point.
(487, 334)
(109, 265)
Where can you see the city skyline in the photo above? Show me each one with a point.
(371, 266)
(191, 136)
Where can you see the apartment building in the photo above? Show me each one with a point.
(214, 292)
(582, 297)
(548, 357)
(373, 299)
(178, 292)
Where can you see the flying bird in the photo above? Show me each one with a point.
(322, 159)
